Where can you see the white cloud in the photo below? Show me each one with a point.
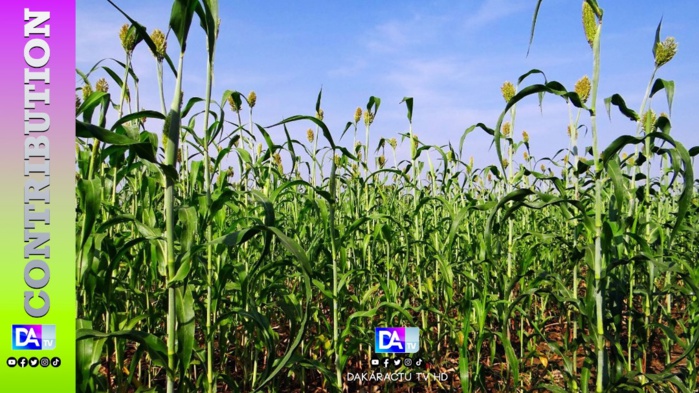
(493, 10)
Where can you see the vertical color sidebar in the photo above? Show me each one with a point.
(37, 179)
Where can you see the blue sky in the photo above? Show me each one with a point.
(451, 58)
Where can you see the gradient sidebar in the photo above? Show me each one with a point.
(37, 179)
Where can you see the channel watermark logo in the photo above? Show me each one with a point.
(33, 337)
(397, 340)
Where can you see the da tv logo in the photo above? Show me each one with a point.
(33, 337)
(397, 340)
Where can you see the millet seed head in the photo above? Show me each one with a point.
(87, 91)
(320, 114)
(259, 149)
(470, 161)
(665, 51)
(158, 39)
(102, 85)
(526, 156)
(582, 88)
(506, 128)
(508, 91)
(309, 135)
(234, 105)
(166, 127)
(525, 136)
(357, 115)
(77, 102)
(543, 168)
(393, 142)
(252, 99)
(505, 163)
(368, 118)
(589, 20)
(649, 119)
(382, 161)
(124, 37)
(337, 159)
(277, 159)
(572, 132)
(128, 41)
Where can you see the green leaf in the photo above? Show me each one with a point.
(185, 326)
(138, 116)
(94, 99)
(320, 94)
(87, 356)
(409, 103)
(181, 20)
(90, 192)
(189, 223)
(319, 123)
(531, 34)
(87, 130)
(190, 103)
(145, 36)
(374, 102)
(656, 40)
(155, 347)
(552, 87)
(669, 87)
(685, 198)
(618, 101)
(210, 22)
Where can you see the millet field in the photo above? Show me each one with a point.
(216, 254)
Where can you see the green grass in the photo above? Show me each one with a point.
(204, 264)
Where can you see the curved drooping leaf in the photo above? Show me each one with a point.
(145, 37)
(143, 149)
(669, 87)
(619, 102)
(181, 20)
(156, 348)
(685, 198)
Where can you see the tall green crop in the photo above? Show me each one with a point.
(234, 257)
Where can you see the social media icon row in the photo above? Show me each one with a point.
(397, 362)
(33, 362)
